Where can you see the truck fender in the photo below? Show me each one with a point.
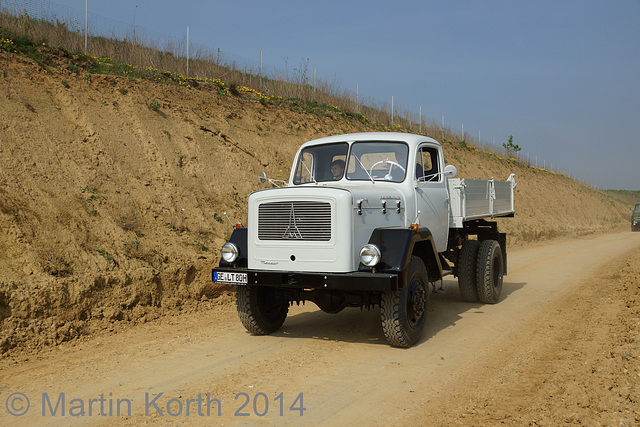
(239, 238)
(397, 245)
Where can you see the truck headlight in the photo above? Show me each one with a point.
(370, 255)
(229, 252)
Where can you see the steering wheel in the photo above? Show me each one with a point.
(391, 165)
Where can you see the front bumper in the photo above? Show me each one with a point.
(356, 281)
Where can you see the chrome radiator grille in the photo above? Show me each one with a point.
(310, 221)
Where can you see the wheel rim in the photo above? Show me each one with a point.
(416, 303)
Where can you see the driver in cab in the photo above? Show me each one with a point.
(337, 169)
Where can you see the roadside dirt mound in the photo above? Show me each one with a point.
(113, 189)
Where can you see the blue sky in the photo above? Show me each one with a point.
(561, 76)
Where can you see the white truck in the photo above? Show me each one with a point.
(366, 220)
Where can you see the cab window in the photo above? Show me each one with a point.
(427, 168)
(320, 163)
(378, 161)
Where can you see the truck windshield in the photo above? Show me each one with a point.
(380, 161)
(321, 163)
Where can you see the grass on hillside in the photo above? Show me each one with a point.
(28, 33)
(627, 196)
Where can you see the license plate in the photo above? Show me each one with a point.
(230, 278)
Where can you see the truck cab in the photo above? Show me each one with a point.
(391, 168)
(388, 180)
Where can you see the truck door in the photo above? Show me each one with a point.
(432, 198)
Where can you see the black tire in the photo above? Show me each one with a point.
(404, 311)
(259, 309)
(467, 262)
(490, 271)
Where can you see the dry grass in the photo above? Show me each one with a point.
(207, 63)
(627, 196)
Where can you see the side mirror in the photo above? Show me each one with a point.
(450, 171)
(263, 179)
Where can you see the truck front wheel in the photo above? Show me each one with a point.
(404, 311)
(260, 310)
(490, 271)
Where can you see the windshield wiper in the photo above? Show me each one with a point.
(310, 173)
(365, 169)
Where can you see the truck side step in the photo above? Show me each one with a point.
(446, 268)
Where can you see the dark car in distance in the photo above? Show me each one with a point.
(635, 218)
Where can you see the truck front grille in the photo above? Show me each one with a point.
(297, 220)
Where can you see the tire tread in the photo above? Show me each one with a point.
(488, 292)
(393, 310)
(250, 313)
(467, 281)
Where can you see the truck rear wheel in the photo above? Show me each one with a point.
(259, 309)
(467, 262)
(489, 272)
(404, 311)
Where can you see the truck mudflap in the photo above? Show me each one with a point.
(354, 281)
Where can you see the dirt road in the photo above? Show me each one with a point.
(561, 347)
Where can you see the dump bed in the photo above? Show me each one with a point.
(480, 198)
